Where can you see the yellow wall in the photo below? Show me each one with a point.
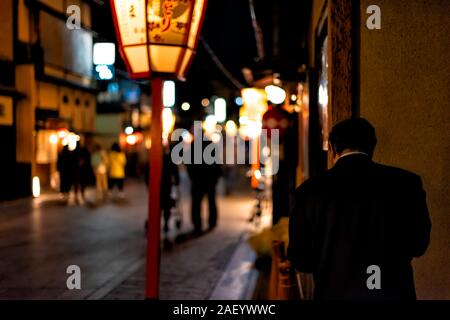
(47, 96)
(55, 4)
(6, 26)
(405, 94)
(23, 25)
(25, 113)
(82, 116)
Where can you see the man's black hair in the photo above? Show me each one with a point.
(355, 134)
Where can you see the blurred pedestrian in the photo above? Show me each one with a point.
(83, 171)
(116, 172)
(204, 178)
(66, 169)
(99, 162)
(357, 227)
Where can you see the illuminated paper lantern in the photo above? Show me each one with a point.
(158, 38)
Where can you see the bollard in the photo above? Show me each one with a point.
(287, 282)
(283, 283)
(277, 256)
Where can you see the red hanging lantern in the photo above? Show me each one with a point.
(157, 40)
(158, 37)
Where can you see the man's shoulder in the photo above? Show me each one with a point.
(395, 173)
(383, 172)
(315, 183)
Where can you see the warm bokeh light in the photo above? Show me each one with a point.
(205, 102)
(275, 94)
(323, 95)
(209, 125)
(53, 139)
(148, 143)
(257, 174)
(187, 137)
(220, 110)
(129, 130)
(168, 121)
(231, 128)
(185, 106)
(36, 187)
(72, 140)
(243, 121)
(104, 53)
(216, 137)
(62, 133)
(169, 94)
(131, 139)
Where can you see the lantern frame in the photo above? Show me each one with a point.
(178, 73)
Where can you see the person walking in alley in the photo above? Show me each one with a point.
(99, 162)
(204, 178)
(357, 227)
(66, 168)
(117, 162)
(83, 172)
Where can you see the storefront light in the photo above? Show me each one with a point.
(243, 121)
(168, 122)
(257, 174)
(185, 106)
(220, 110)
(53, 139)
(187, 137)
(104, 72)
(72, 141)
(62, 133)
(148, 143)
(205, 102)
(36, 187)
(104, 53)
(254, 129)
(209, 125)
(169, 94)
(323, 95)
(216, 137)
(265, 151)
(129, 130)
(275, 94)
(131, 139)
(231, 128)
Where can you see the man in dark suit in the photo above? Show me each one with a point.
(358, 218)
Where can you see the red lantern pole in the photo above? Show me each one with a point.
(154, 191)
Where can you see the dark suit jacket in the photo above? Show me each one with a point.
(358, 214)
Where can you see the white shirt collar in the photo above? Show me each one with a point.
(352, 152)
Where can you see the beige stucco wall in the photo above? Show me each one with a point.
(405, 94)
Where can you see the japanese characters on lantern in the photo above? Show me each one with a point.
(158, 36)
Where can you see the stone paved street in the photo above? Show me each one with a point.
(192, 269)
(40, 238)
